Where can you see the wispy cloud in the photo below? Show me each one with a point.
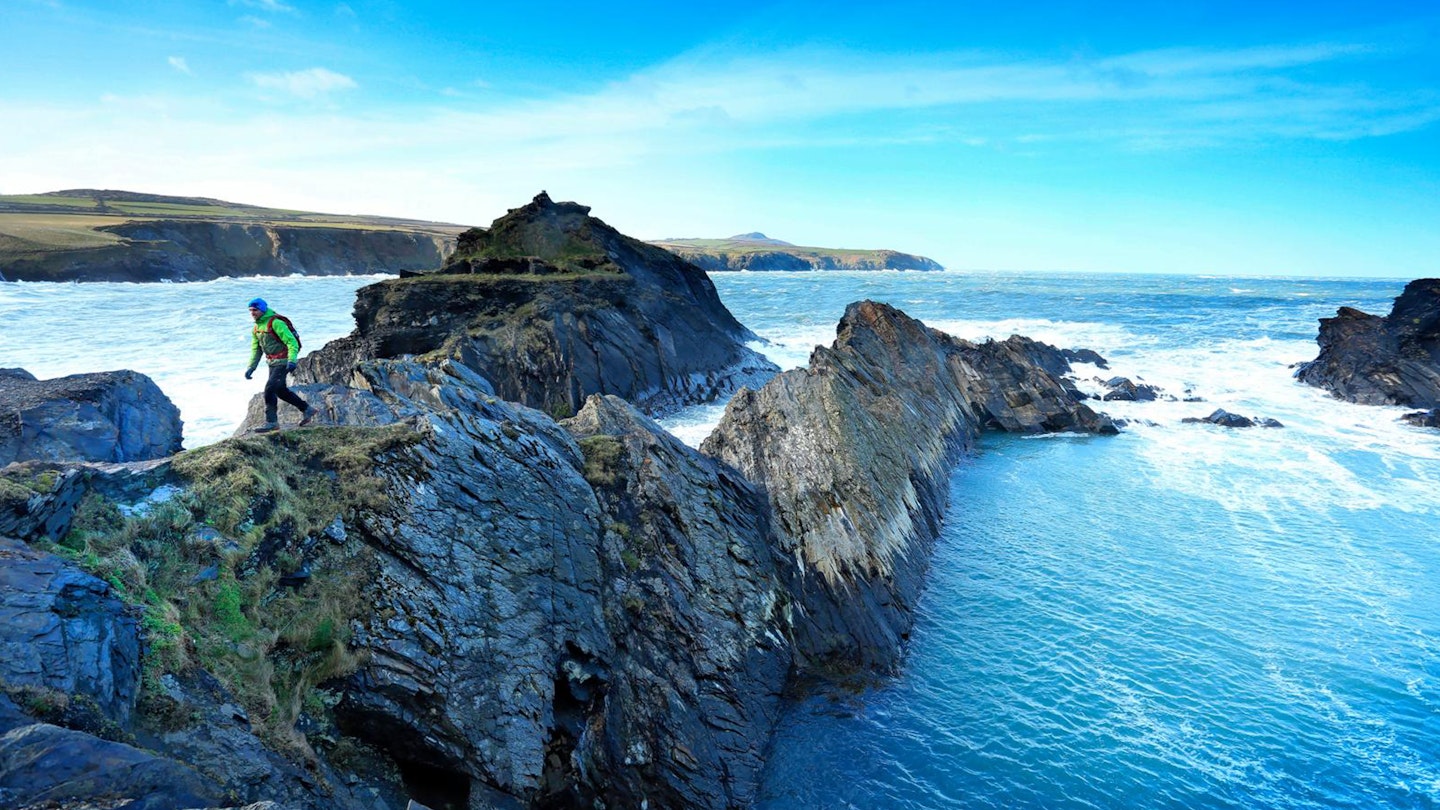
(706, 103)
(305, 84)
(265, 5)
(179, 63)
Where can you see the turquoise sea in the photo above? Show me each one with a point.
(1179, 616)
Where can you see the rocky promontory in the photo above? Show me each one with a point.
(1389, 360)
(552, 305)
(854, 454)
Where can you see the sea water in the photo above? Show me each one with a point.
(1178, 616)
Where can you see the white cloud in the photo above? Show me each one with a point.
(179, 63)
(304, 83)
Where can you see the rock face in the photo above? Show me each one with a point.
(107, 416)
(854, 454)
(64, 630)
(1391, 360)
(552, 305)
(181, 250)
(569, 621)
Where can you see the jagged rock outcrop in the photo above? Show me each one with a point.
(106, 416)
(854, 454)
(552, 305)
(1390, 360)
(198, 250)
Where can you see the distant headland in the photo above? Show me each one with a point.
(755, 251)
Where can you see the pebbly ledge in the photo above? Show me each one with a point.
(854, 453)
(1390, 360)
(552, 305)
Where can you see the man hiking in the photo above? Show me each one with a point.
(274, 337)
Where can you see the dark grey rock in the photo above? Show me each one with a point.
(107, 416)
(45, 766)
(63, 629)
(579, 309)
(1224, 418)
(1430, 418)
(1124, 389)
(854, 454)
(1394, 360)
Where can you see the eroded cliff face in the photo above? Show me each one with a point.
(1375, 360)
(854, 454)
(551, 306)
(180, 250)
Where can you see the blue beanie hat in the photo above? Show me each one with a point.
(258, 303)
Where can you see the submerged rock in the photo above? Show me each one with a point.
(552, 305)
(105, 416)
(1224, 418)
(1390, 360)
(854, 454)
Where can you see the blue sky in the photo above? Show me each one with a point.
(1235, 138)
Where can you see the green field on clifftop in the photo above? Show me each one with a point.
(35, 224)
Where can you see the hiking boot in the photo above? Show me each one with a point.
(268, 427)
(307, 417)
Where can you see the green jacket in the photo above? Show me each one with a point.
(277, 343)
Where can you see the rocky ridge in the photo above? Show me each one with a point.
(1389, 360)
(552, 305)
(854, 453)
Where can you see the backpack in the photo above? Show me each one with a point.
(270, 327)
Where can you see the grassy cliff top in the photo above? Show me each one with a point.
(33, 224)
(747, 245)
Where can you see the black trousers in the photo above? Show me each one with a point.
(276, 389)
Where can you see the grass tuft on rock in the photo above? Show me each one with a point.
(237, 574)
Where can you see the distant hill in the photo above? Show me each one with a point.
(757, 252)
(116, 235)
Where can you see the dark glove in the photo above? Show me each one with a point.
(249, 372)
(291, 366)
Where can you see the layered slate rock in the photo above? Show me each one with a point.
(107, 416)
(854, 454)
(559, 616)
(1390, 360)
(552, 305)
(697, 610)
